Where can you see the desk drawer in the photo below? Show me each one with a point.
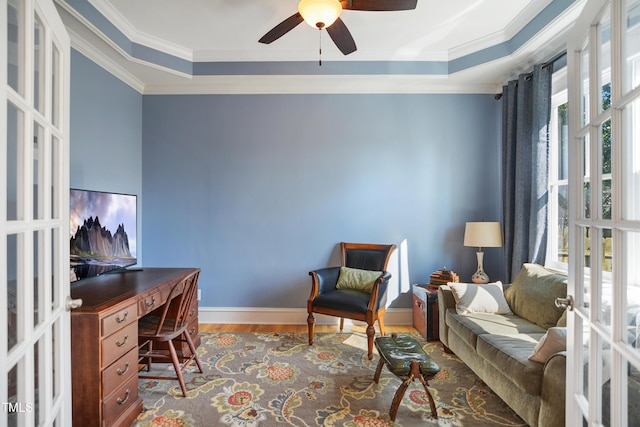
(117, 403)
(117, 320)
(152, 302)
(119, 371)
(192, 319)
(119, 343)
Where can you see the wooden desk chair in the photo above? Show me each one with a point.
(168, 324)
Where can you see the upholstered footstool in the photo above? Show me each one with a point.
(406, 359)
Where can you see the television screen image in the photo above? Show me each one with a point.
(103, 228)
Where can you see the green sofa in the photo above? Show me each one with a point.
(497, 347)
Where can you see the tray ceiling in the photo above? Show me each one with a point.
(408, 45)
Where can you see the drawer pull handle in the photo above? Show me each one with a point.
(123, 319)
(192, 330)
(192, 312)
(152, 303)
(120, 344)
(122, 401)
(126, 369)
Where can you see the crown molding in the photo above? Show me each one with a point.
(137, 36)
(318, 84)
(527, 15)
(88, 50)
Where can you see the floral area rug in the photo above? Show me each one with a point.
(277, 379)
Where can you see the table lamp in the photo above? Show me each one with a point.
(482, 234)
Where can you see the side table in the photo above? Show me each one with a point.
(425, 312)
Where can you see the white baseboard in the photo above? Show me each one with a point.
(288, 316)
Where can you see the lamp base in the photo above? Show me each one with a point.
(480, 276)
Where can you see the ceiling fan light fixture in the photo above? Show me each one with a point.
(320, 13)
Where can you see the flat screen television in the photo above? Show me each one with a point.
(103, 229)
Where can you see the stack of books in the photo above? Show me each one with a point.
(442, 277)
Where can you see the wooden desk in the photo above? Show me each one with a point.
(104, 341)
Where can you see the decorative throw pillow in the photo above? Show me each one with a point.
(486, 298)
(533, 293)
(553, 341)
(562, 321)
(356, 279)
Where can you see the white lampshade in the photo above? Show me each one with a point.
(320, 13)
(483, 234)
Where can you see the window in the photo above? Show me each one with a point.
(558, 215)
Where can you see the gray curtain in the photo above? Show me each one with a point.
(526, 110)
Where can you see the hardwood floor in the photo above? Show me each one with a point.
(208, 327)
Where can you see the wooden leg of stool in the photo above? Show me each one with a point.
(376, 377)
(432, 403)
(397, 398)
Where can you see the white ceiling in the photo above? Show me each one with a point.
(228, 31)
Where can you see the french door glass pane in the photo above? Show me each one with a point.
(586, 264)
(55, 173)
(631, 251)
(584, 86)
(631, 46)
(38, 171)
(15, 45)
(12, 290)
(586, 176)
(15, 118)
(39, 278)
(563, 223)
(605, 381)
(631, 160)
(56, 348)
(633, 395)
(55, 284)
(607, 285)
(12, 389)
(605, 141)
(38, 65)
(563, 142)
(583, 351)
(37, 379)
(55, 86)
(604, 60)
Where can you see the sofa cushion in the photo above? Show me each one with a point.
(510, 355)
(487, 298)
(469, 326)
(553, 341)
(533, 293)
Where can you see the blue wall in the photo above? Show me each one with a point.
(259, 189)
(106, 133)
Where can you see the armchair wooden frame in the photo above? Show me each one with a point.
(323, 289)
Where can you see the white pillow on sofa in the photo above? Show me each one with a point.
(486, 298)
(553, 341)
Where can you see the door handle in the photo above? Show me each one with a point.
(73, 303)
(565, 303)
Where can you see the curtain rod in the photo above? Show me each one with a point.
(554, 59)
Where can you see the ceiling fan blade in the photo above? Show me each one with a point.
(282, 28)
(380, 5)
(342, 37)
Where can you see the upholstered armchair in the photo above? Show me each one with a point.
(357, 292)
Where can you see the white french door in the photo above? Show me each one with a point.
(603, 387)
(34, 226)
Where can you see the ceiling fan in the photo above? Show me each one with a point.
(326, 14)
